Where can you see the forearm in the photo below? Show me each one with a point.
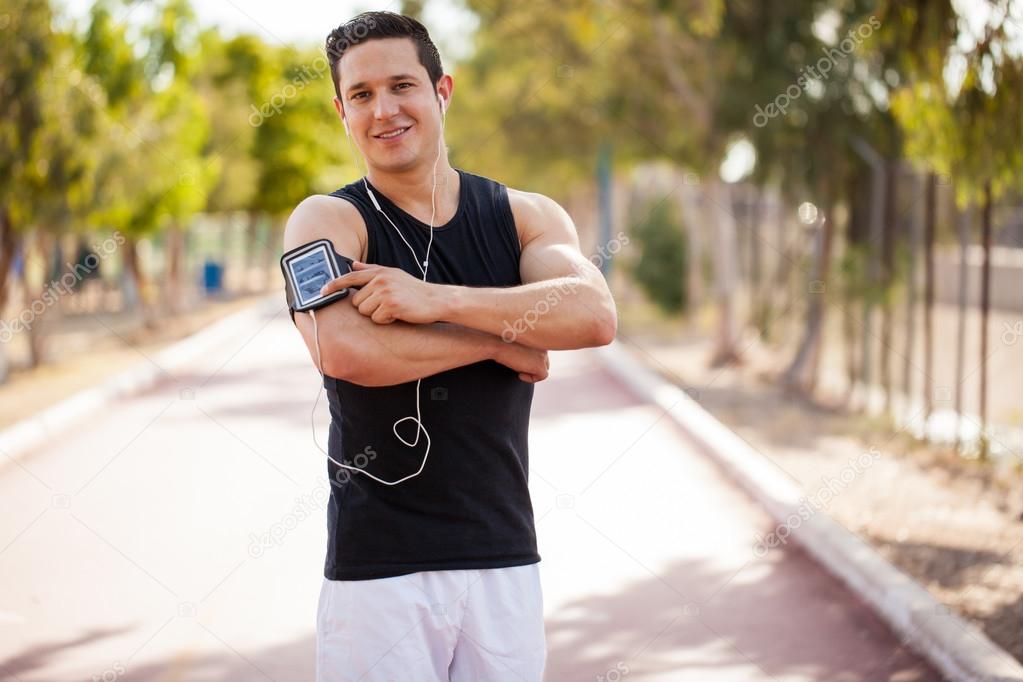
(370, 354)
(557, 314)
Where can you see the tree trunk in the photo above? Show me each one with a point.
(134, 285)
(786, 252)
(929, 236)
(688, 200)
(964, 247)
(877, 205)
(887, 281)
(854, 237)
(914, 249)
(254, 254)
(173, 291)
(719, 215)
(756, 298)
(985, 305)
(40, 306)
(801, 374)
(8, 246)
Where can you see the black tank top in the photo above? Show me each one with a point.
(470, 506)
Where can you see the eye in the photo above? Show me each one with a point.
(401, 84)
(359, 94)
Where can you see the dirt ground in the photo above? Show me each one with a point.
(955, 525)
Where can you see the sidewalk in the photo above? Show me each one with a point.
(134, 541)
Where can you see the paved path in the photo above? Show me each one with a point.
(129, 546)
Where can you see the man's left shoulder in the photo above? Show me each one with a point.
(534, 212)
(531, 201)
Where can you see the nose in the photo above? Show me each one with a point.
(386, 107)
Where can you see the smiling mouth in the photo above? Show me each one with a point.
(393, 134)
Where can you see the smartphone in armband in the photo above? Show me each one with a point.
(307, 268)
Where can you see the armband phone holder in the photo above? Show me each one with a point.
(307, 268)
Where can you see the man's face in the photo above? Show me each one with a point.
(391, 107)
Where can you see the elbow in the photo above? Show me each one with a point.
(605, 332)
(344, 362)
(605, 327)
(359, 368)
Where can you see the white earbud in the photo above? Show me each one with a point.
(347, 132)
(440, 99)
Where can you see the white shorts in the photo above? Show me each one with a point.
(479, 625)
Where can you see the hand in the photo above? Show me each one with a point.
(532, 364)
(387, 294)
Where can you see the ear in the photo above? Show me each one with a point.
(341, 114)
(445, 87)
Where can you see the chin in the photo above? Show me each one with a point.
(397, 163)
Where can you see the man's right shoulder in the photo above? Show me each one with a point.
(327, 217)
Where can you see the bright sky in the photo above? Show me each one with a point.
(309, 21)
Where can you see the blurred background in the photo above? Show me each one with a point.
(809, 212)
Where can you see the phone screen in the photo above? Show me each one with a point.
(311, 272)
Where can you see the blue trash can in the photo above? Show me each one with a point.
(213, 277)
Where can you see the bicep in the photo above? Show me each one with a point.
(552, 249)
(322, 217)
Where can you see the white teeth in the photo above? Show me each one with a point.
(396, 133)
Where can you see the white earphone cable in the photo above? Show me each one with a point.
(423, 267)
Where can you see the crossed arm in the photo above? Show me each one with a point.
(396, 328)
(563, 302)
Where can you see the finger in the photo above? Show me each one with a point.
(369, 305)
(359, 265)
(380, 317)
(362, 294)
(349, 279)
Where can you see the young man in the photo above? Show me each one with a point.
(435, 577)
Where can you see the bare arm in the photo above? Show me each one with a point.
(563, 303)
(356, 349)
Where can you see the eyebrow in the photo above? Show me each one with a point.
(400, 77)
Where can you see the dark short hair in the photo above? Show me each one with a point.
(373, 26)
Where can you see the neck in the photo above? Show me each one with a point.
(411, 190)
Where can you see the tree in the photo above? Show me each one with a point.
(154, 174)
(26, 54)
(970, 130)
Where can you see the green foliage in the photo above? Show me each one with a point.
(662, 267)
(973, 130)
(138, 127)
(26, 57)
(298, 145)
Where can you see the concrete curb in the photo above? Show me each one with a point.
(21, 438)
(953, 646)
